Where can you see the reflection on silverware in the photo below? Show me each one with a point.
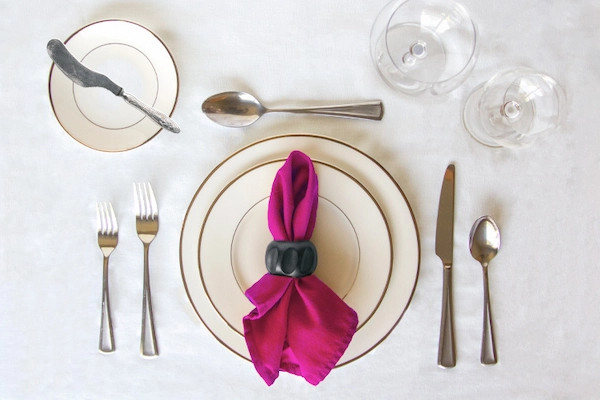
(85, 77)
(444, 243)
(239, 109)
(146, 223)
(108, 230)
(484, 243)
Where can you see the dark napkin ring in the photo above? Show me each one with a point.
(292, 259)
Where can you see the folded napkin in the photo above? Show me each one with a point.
(299, 325)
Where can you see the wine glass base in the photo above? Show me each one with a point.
(472, 121)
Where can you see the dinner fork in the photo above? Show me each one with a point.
(146, 223)
(108, 230)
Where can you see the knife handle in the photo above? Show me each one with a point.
(446, 352)
(155, 115)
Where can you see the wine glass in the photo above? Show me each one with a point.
(515, 109)
(424, 47)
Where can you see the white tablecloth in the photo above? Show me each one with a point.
(543, 283)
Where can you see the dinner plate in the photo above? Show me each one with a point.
(352, 261)
(362, 169)
(133, 57)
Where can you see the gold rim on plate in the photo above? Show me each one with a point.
(364, 169)
(338, 192)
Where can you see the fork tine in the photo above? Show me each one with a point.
(144, 195)
(104, 223)
(137, 200)
(98, 218)
(107, 224)
(147, 202)
(106, 219)
(144, 201)
(153, 206)
(102, 219)
(113, 220)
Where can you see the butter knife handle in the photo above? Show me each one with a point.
(155, 115)
(446, 353)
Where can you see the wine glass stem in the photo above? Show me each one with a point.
(511, 109)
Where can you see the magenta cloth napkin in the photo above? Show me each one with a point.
(299, 325)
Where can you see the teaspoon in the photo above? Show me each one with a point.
(239, 109)
(484, 243)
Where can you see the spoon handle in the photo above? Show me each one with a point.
(372, 110)
(446, 351)
(488, 346)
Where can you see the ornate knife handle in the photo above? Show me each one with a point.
(155, 115)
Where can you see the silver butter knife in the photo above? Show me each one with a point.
(444, 243)
(85, 77)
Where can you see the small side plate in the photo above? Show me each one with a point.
(134, 58)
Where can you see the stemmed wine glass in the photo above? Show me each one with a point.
(515, 108)
(424, 47)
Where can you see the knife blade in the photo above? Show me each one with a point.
(444, 244)
(83, 76)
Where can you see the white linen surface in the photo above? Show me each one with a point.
(545, 300)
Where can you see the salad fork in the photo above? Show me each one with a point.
(146, 223)
(108, 238)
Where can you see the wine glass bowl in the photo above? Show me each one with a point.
(424, 47)
(515, 109)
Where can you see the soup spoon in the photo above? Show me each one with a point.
(239, 109)
(484, 243)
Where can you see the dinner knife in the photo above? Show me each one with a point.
(85, 77)
(444, 243)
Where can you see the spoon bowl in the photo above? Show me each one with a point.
(239, 109)
(484, 243)
(484, 240)
(233, 109)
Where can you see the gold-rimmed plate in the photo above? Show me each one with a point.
(133, 57)
(353, 262)
(367, 173)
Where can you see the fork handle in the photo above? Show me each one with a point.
(147, 349)
(107, 340)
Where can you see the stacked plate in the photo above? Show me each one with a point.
(365, 234)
